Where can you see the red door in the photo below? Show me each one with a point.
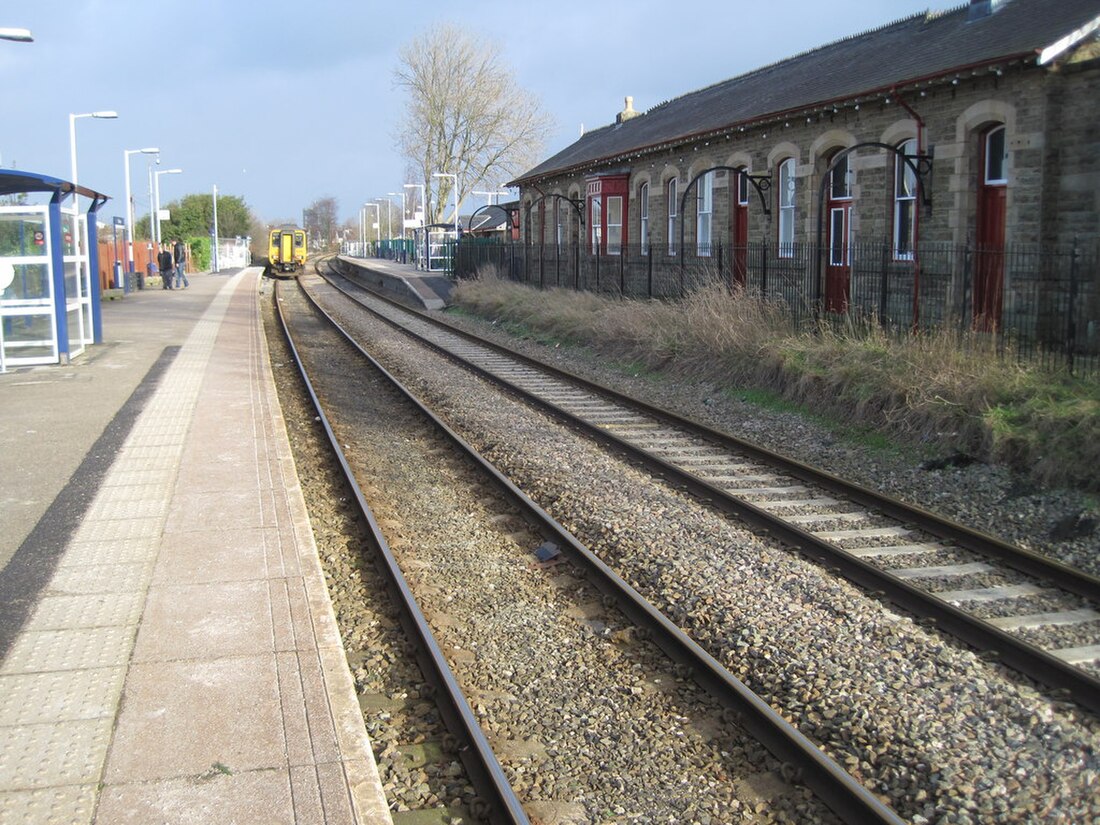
(990, 243)
(739, 230)
(838, 212)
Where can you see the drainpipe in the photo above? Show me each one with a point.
(916, 212)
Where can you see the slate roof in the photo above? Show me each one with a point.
(916, 48)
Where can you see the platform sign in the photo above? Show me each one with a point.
(164, 215)
(119, 221)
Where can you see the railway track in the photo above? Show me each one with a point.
(627, 626)
(1036, 615)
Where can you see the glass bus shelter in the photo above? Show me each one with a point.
(49, 297)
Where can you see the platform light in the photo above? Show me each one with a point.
(18, 35)
(151, 150)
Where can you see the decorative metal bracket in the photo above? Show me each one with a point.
(761, 183)
(921, 166)
(574, 202)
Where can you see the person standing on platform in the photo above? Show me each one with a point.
(164, 263)
(179, 256)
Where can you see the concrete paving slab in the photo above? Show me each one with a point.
(183, 662)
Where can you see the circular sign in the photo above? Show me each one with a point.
(39, 237)
(7, 274)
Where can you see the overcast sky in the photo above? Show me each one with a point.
(281, 109)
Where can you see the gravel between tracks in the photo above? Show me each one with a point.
(948, 738)
(590, 724)
(1061, 523)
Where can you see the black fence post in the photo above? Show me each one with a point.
(884, 284)
(1071, 326)
(622, 272)
(964, 287)
(649, 272)
(764, 270)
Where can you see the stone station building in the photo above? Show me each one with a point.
(942, 166)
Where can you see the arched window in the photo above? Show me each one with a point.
(905, 203)
(672, 217)
(643, 217)
(995, 156)
(786, 208)
(704, 209)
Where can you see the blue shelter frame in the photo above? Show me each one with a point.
(49, 265)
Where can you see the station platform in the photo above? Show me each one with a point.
(404, 282)
(168, 651)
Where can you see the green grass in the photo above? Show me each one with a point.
(864, 436)
(948, 390)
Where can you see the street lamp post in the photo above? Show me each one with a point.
(156, 199)
(455, 178)
(423, 212)
(152, 150)
(389, 217)
(214, 230)
(72, 139)
(403, 204)
(378, 217)
(78, 236)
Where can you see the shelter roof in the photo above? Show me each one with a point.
(14, 181)
(915, 49)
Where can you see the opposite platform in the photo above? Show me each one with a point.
(183, 663)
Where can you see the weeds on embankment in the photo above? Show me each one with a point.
(948, 388)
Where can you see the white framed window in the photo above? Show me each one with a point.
(597, 224)
(614, 224)
(787, 193)
(672, 217)
(996, 156)
(742, 186)
(905, 203)
(643, 217)
(840, 181)
(704, 211)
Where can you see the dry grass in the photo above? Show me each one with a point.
(944, 388)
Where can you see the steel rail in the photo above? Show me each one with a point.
(1019, 558)
(806, 762)
(1029, 659)
(479, 759)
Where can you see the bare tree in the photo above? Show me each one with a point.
(319, 220)
(465, 116)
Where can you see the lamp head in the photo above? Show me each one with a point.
(108, 115)
(18, 35)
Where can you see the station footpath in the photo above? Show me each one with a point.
(178, 661)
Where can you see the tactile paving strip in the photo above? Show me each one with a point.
(62, 680)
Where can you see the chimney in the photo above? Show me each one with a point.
(982, 8)
(627, 113)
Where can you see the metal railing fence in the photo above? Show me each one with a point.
(1037, 303)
